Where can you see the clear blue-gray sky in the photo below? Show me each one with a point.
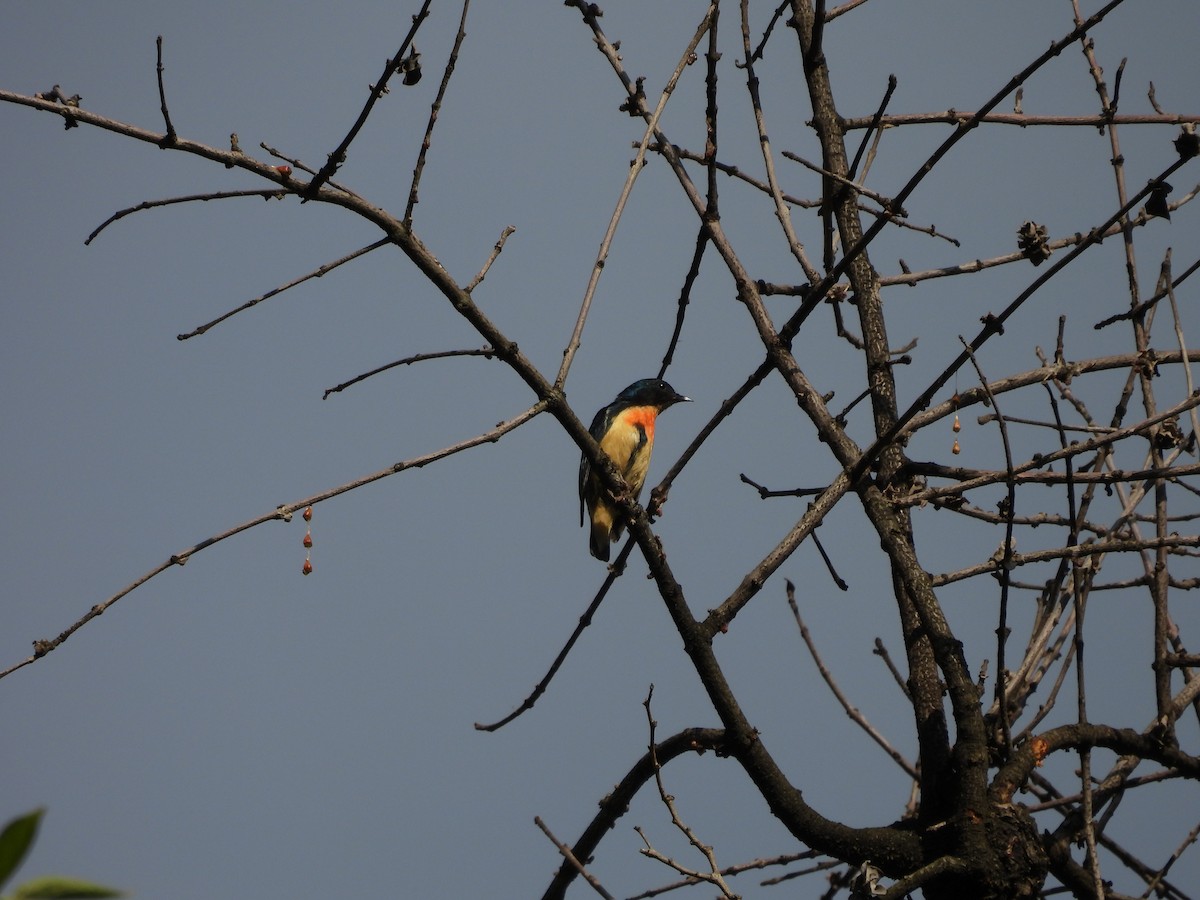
(235, 729)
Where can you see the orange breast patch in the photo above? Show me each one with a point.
(640, 415)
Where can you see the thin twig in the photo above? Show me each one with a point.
(1158, 587)
(910, 278)
(281, 513)
(1005, 562)
(843, 9)
(1174, 858)
(792, 326)
(1018, 420)
(1073, 799)
(1059, 371)
(1140, 309)
(737, 868)
(614, 572)
(853, 712)
(433, 115)
(570, 857)
(1071, 551)
(882, 652)
(762, 44)
(321, 270)
(971, 479)
(792, 200)
(725, 410)
(713, 876)
(712, 57)
(765, 492)
(616, 803)
(265, 193)
(508, 231)
(170, 137)
(961, 117)
(1178, 325)
(993, 324)
(782, 213)
(889, 206)
(874, 129)
(378, 89)
(685, 295)
(635, 168)
(485, 352)
(837, 579)
(304, 167)
(939, 868)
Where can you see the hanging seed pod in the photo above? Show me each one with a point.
(411, 67)
(1156, 203)
(1187, 144)
(1033, 242)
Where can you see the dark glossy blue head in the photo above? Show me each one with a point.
(650, 392)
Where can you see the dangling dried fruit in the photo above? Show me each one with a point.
(1156, 203)
(308, 539)
(308, 514)
(307, 569)
(1033, 240)
(1187, 144)
(411, 67)
(957, 424)
(956, 449)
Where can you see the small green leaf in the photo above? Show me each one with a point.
(15, 841)
(56, 887)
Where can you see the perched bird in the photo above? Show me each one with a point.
(625, 432)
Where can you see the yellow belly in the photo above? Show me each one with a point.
(629, 450)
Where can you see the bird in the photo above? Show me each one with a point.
(625, 432)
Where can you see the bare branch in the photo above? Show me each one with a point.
(855, 715)
(485, 352)
(616, 804)
(264, 193)
(433, 114)
(315, 273)
(614, 572)
(961, 117)
(874, 129)
(378, 89)
(635, 168)
(280, 513)
(573, 860)
(1006, 556)
(508, 232)
(713, 876)
(169, 137)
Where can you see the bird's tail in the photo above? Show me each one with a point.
(598, 543)
(601, 532)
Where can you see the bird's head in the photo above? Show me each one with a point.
(651, 392)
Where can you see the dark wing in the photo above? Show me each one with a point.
(599, 425)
